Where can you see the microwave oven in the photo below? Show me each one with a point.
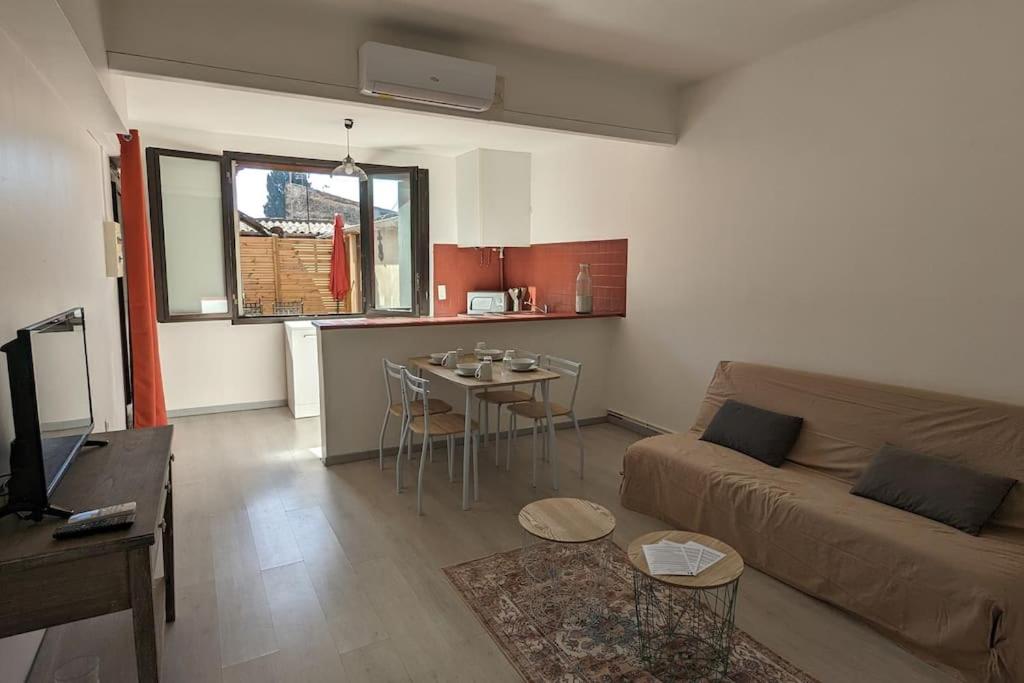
(483, 303)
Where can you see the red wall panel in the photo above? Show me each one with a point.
(461, 271)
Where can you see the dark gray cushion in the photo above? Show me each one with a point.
(933, 487)
(756, 432)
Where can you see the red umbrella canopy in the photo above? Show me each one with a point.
(339, 260)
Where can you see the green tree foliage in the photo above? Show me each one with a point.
(276, 180)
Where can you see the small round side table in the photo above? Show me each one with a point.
(686, 623)
(558, 532)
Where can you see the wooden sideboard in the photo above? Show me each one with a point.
(45, 582)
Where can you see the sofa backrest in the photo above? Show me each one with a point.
(846, 421)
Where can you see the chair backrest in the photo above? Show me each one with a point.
(565, 368)
(415, 388)
(392, 371)
(537, 358)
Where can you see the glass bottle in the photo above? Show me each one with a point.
(584, 290)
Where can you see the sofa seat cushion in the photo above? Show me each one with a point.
(930, 586)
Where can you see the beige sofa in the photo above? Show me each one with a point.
(948, 596)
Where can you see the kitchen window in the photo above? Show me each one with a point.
(293, 241)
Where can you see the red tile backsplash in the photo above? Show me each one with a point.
(463, 270)
(551, 268)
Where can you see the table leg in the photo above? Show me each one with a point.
(140, 584)
(545, 389)
(465, 452)
(168, 550)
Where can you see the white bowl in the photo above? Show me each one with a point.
(493, 354)
(437, 357)
(467, 367)
(522, 363)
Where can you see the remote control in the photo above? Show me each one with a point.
(109, 518)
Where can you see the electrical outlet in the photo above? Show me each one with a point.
(442, 292)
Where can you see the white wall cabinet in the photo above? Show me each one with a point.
(492, 197)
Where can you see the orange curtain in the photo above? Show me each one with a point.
(148, 407)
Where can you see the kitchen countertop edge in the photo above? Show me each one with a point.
(427, 321)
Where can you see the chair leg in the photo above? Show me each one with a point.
(533, 482)
(508, 440)
(419, 479)
(450, 449)
(408, 444)
(476, 466)
(497, 436)
(383, 428)
(579, 439)
(430, 452)
(487, 419)
(544, 442)
(398, 458)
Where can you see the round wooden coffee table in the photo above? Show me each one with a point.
(686, 623)
(563, 536)
(566, 520)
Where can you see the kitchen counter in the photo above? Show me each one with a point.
(427, 321)
(352, 395)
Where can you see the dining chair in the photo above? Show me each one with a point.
(430, 425)
(503, 398)
(393, 371)
(534, 410)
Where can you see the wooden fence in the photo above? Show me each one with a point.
(292, 269)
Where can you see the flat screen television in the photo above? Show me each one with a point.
(51, 404)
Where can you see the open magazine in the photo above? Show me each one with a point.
(680, 559)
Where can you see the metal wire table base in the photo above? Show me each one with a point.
(684, 636)
(550, 564)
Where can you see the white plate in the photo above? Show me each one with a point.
(465, 373)
(529, 369)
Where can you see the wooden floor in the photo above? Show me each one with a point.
(289, 571)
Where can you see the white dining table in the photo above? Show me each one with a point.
(503, 376)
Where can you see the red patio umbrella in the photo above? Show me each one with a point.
(339, 260)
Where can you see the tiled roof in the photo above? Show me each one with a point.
(315, 229)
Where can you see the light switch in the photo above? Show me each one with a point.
(442, 292)
(113, 249)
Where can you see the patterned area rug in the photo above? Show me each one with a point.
(525, 620)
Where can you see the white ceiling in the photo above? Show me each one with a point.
(162, 103)
(687, 39)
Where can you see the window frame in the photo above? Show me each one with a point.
(420, 237)
(156, 227)
(419, 189)
(420, 240)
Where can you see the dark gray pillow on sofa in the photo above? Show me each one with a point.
(932, 487)
(756, 432)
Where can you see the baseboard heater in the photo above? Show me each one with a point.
(636, 425)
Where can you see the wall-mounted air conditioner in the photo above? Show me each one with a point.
(425, 77)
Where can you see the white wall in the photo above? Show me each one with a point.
(214, 363)
(853, 205)
(54, 195)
